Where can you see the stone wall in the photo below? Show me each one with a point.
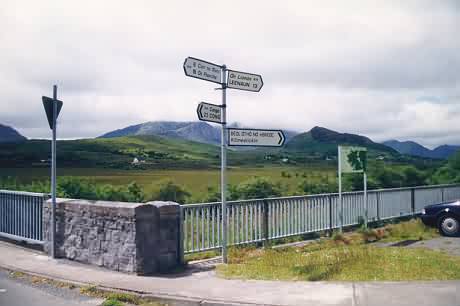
(127, 237)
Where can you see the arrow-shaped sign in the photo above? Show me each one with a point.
(209, 112)
(254, 137)
(200, 69)
(48, 105)
(244, 81)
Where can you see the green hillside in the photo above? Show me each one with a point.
(151, 151)
(321, 143)
(156, 152)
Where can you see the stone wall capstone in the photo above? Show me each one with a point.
(128, 237)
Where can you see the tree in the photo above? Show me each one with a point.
(413, 177)
(135, 192)
(389, 178)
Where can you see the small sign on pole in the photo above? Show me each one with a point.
(352, 160)
(254, 137)
(48, 104)
(209, 112)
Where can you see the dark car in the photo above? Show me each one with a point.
(445, 216)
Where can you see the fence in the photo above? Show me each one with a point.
(249, 221)
(252, 221)
(21, 215)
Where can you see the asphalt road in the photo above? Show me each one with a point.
(17, 292)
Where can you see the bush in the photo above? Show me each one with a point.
(323, 186)
(413, 177)
(77, 188)
(171, 191)
(255, 188)
(213, 195)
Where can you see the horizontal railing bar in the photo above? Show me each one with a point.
(309, 196)
(20, 238)
(25, 193)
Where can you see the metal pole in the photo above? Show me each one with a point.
(223, 184)
(366, 212)
(53, 176)
(339, 156)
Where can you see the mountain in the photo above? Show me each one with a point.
(193, 131)
(8, 134)
(320, 141)
(445, 151)
(415, 149)
(409, 148)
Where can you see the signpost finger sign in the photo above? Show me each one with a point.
(253, 137)
(244, 81)
(203, 70)
(209, 112)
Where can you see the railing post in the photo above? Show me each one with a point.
(377, 194)
(181, 236)
(442, 194)
(265, 222)
(412, 200)
(330, 215)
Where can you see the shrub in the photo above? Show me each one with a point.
(213, 195)
(255, 188)
(171, 191)
(311, 188)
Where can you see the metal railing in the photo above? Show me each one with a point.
(252, 221)
(21, 215)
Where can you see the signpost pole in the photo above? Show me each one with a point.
(366, 212)
(223, 183)
(53, 176)
(339, 157)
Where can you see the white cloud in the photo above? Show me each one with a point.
(383, 69)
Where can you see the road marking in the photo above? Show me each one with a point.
(2, 290)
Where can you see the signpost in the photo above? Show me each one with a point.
(52, 108)
(253, 137)
(352, 160)
(209, 112)
(244, 81)
(207, 71)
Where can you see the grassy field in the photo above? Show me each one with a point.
(195, 181)
(348, 258)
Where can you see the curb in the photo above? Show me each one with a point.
(170, 300)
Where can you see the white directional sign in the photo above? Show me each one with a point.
(200, 69)
(244, 81)
(209, 112)
(253, 137)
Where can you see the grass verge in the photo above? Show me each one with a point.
(343, 263)
(348, 257)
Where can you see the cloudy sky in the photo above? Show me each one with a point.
(384, 69)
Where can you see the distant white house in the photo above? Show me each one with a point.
(380, 157)
(135, 161)
(285, 160)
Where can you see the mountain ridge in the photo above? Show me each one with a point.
(9, 134)
(198, 131)
(415, 149)
(323, 141)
